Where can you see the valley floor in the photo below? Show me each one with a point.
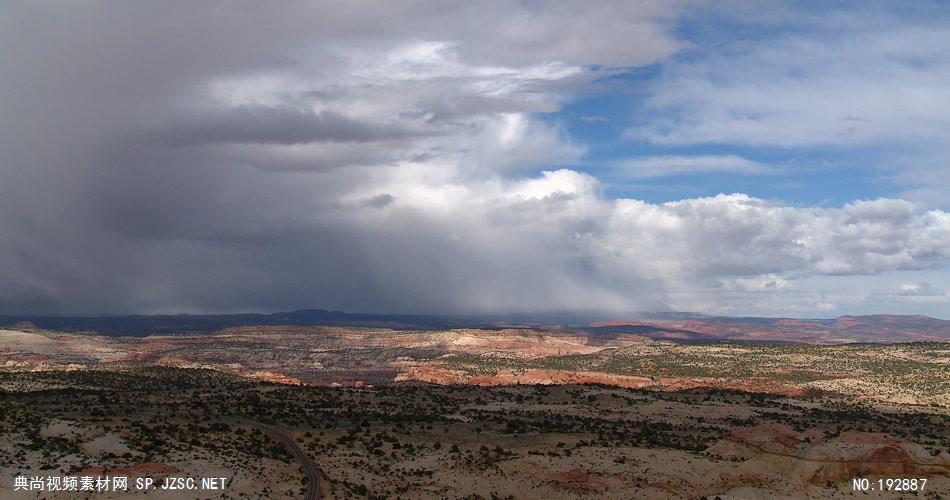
(418, 440)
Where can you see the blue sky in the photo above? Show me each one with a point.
(823, 171)
(735, 158)
(811, 176)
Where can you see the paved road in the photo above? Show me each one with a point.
(309, 468)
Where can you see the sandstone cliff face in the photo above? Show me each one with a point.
(438, 375)
(278, 378)
(519, 342)
(849, 455)
(859, 454)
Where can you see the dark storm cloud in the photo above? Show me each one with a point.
(380, 200)
(133, 179)
(278, 125)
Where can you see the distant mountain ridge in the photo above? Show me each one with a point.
(678, 327)
(143, 325)
(841, 330)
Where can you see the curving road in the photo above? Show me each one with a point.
(309, 468)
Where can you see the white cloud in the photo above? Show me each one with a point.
(922, 289)
(753, 236)
(763, 283)
(826, 307)
(421, 101)
(727, 253)
(914, 294)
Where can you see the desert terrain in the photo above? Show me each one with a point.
(413, 440)
(913, 372)
(609, 411)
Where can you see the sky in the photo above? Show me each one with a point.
(731, 158)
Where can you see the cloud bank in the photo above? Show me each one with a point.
(227, 157)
